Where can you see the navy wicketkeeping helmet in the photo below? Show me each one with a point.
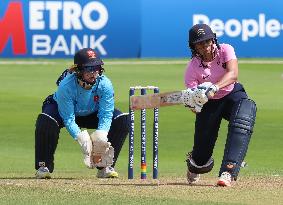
(87, 60)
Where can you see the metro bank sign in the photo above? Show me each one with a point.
(53, 27)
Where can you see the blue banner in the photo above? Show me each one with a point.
(59, 28)
(253, 27)
(133, 29)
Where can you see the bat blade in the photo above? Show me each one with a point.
(155, 100)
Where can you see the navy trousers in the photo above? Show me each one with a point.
(45, 144)
(208, 122)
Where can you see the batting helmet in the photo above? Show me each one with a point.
(198, 33)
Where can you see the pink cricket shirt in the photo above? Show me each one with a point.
(196, 74)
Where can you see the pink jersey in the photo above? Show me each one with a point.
(196, 74)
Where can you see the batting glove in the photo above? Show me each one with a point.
(210, 89)
(188, 101)
(204, 91)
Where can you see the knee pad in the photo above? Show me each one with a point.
(243, 117)
(199, 169)
(239, 133)
(46, 138)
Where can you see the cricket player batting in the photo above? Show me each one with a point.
(212, 78)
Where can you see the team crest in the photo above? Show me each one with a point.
(200, 32)
(95, 98)
(91, 54)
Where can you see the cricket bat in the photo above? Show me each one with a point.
(155, 100)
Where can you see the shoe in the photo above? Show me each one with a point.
(42, 173)
(107, 172)
(225, 179)
(192, 177)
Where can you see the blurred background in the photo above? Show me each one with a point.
(136, 29)
(142, 42)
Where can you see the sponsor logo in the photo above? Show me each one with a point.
(12, 28)
(53, 27)
(205, 76)
(245, 28)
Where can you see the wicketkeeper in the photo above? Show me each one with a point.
(84, 99)
(215, 94)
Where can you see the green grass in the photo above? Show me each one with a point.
(24, 87)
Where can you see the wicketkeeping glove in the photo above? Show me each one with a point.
(106, 158)
(84, 141)
(100, 145)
